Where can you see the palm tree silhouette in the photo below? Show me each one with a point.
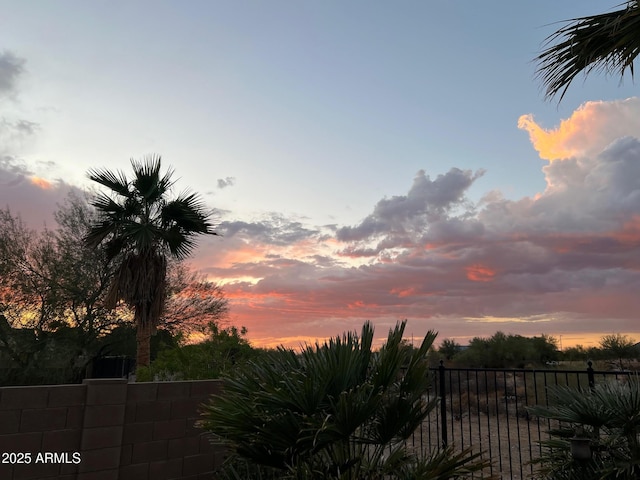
(607, 42)
(139, 227)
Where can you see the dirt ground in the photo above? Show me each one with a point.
(509, 441)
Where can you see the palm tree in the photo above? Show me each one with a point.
(607, 42)
(139, 227)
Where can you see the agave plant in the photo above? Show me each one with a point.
(608, 416)
(334, 411)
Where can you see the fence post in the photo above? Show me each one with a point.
(443, 404)
(590, 375)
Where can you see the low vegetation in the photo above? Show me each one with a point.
(223, 351)
(334, 411)
(606, 418)
(615, 351)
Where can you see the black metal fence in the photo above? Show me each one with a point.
(485, 410)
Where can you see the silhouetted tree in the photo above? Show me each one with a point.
(140, 226)
(618, 346)
(449, 348)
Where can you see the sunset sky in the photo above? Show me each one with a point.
(365, 160)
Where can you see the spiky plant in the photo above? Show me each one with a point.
(334, 411)
(607, 42)
(609, 415)
(138, 225)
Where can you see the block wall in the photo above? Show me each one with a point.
(106, 429)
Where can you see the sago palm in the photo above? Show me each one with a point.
(337, 411)
(609, 416)
(607, 42)
(139, 226)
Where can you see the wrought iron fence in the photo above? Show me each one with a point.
(485, 410)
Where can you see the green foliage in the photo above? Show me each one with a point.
(609, 416)
(222, 352)
(619, 347)
(334, 411)
(509, 351)
(449, 348)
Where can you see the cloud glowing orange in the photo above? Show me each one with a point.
(480, 273)
(41, 182)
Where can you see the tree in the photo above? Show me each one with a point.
(607, 42)
(579, 352)
(508, 351)
(618, 346)
(334, 411)
(50, 297)
(449, 348)
(193, 302)
(140, 227)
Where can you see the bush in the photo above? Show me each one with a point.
(334, 411)
(224, 350)
(608, 416)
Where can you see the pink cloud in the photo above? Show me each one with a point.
(563, 262)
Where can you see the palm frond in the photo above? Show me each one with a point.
(336, 410)
(147, 180)
(179, 244)
(115, 181)
(187, 212)
(99, 232)
(608, 42)
(106, 205)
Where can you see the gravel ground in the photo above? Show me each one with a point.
(509, 441)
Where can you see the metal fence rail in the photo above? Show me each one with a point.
(485, 410)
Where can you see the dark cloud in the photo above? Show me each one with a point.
(11, 67)
(226, 182)
(427, 201)
(274, 230)
(13, 171)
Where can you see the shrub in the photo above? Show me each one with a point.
(334, 411)
(223, 350)
(608, 416)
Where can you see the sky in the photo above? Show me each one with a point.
(363, 160)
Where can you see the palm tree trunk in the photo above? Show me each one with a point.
(143, 341)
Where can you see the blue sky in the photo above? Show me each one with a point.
(309, 112)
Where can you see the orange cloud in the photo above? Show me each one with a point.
(41, 182)
(245, 254)
(403, 293)
(588, 130)
(480, 273)
(548, 143)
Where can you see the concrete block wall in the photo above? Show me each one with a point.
(106, 429)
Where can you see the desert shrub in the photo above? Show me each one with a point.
(225, 349)
(334, 411)
(608, 416)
